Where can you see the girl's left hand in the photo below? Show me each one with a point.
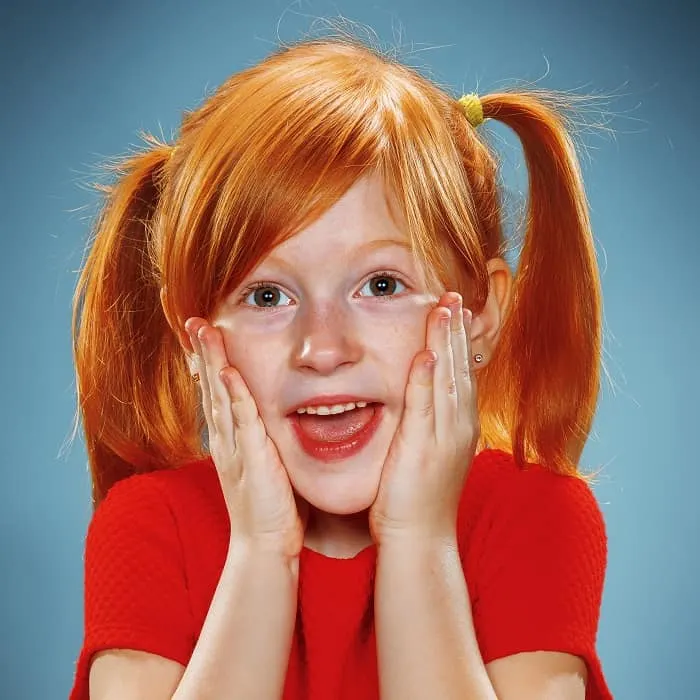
(428, 460)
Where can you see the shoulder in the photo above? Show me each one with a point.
(139, 545)
(498, 491)
(152, 492)
(528, 522)
(154, 508)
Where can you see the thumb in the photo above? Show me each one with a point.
(302, 509)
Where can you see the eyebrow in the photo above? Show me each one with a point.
(364, 249)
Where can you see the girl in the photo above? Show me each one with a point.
(388, 503)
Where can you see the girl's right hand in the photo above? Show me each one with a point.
(257, 490)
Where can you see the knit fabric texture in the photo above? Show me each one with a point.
(532, 543)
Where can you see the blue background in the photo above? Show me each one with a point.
(80, 79)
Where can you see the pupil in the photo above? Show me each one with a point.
(266, 296)
(384, 285)
(269, 296)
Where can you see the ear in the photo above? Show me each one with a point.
(486, 325)
(180, 333)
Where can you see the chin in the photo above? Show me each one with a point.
(338, 493)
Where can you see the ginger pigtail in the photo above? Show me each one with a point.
(541, 387)
(134, 393)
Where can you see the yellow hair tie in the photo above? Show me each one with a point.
(471, 105)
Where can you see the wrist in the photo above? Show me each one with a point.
(417, 546)
(421, 561)
(262, 552)
(418, 539)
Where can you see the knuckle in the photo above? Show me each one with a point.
(243, 417)
(426, 410)
(237, 406)
(216, 411)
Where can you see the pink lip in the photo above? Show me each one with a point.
(334, 451)
(329, 400)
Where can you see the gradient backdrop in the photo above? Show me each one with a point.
(79, 79)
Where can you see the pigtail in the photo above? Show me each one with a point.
(542, 384)
(134, 393)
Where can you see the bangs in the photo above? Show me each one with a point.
(282, 142)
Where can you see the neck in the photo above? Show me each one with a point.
(337, 536)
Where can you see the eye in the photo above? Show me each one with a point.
(264, 295)
(383, 284)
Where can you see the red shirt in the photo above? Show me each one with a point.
(532, 543)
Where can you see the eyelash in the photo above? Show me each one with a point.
(261, 285)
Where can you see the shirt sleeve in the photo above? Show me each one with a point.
(135, 585)
(540, 580)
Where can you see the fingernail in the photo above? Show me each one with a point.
(445, 320)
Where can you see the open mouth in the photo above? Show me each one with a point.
(337, 436)
(336, 427)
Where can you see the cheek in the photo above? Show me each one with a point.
(395, 340)
(256, 364)
(400, 327)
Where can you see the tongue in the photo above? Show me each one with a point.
(335, 428)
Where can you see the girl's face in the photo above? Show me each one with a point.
(342, 310)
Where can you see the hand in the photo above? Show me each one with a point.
(256, 488)
(428, 460)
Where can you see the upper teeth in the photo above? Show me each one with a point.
(328, 410)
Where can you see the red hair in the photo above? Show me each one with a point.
(266, 155)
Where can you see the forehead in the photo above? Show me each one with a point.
(362, 221)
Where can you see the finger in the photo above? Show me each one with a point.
(418, 420)
(444, 385)
(192, 327)
(248, 426)
(244, 410)
(461, 354)
(467, 317)
(215, 360)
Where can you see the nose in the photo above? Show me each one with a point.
(326, 339)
